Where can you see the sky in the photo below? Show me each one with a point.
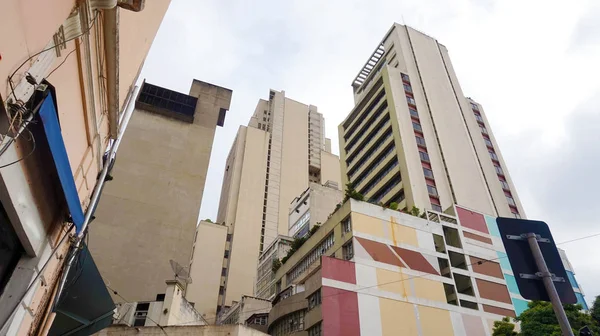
(533, 65)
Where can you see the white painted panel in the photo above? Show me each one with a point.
(425, 240)
(366, 276)
(369, 315)
(457, 324)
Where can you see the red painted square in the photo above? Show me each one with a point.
(415, 260)
(472, 220)
(340, 312)
(338, 269)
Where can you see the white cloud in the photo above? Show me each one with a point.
(532, 64)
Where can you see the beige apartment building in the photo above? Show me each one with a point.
(413, 137)
(83, 59)
(148, 214)
(271, 162)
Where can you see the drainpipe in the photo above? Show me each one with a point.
(95, 196)
(110, 25)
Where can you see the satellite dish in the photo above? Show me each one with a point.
(180, 272)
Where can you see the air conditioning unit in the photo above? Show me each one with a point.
(132, 5)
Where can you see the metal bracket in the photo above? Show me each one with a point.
(540, 275)
(524, 237)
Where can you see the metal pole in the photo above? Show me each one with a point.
(95, 195)
(559, 311)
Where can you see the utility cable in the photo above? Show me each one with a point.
(416, 276)
(24, 157)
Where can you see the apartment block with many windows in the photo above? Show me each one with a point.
(413, 138)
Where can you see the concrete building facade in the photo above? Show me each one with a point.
(312, 208)
(84, 58)
(374, 271)
(148, 214)
(413, 138)
(271, 161)
(267, 262)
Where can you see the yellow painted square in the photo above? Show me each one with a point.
(368, 225)
(404, 234)
(391, 281)
(397, 318)
(429, 289)
(435, 322)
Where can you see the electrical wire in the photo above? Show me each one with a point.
(38, 275)
(24, 157)
(63, 62)
(43, 51)
(148, 317)
(413, 277)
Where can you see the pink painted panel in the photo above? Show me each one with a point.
(472, 220)
(338, 269)
(340, 312)
(473, 325)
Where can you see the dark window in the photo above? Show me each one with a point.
(420, 141)
(488, 142)
(474, 107)
(493, 156)
(436, 207)
(407, 88)
(160, 297)
(510, 200)
(504, 185)
(424, 156)
(479, 118)
(224, 271)
(410, 100)
(314, 299)
(428, 172)
(483, 130)
(413, 112)
(226, 255)
(417, 127)
(315, 330)
(499, 170)
(432, 190)
(405, 77)
(229, 237)
(221, 290)
(10, 249)
(141, 311)
(348, 251)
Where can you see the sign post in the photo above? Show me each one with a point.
(537, 266)
(547, 278)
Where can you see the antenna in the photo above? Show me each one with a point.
(180, 272)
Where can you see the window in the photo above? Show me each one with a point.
(226, 254)
(504, 185)
(346, 225)
(141, 311)
(411, 100)
(483, 130)
(436, 207)
(479, 118)
(474, 107)
(493, 156)
(405, 77)
(413, 112)
(407, 87)
(221, 290)
(348, 251)
(259, 320)
(312, 257)
(428, 173)
(432, 190)
(264, 118)
(259, 125)
(224, 271)
(420, 141)
(417, 127)
(315, 330)
(499, 170)
(314, 299)
(488, 142)
(229, 237)
(424, 156)
(510, 200)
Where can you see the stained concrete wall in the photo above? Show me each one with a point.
(148, 214)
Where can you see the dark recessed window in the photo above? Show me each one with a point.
(224, 271)
(499, 170)
(226, 255)
(417, 127)
(488, 142)
(229, 237)
(405, 77)
(221, 290)
(428, 172)
(436, 207)
(483, 130)
(420, 141)
(407, 88)
(424, 156)
(410, 100)
(504, 185)
(493, 156)
(432, 190)
(413, 112)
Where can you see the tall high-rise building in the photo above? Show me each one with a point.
(271, 162)
(148, 214)
(413, 138)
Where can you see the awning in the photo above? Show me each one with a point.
(49, 116)
(85, 306)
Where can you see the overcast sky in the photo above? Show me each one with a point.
(533, 65)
